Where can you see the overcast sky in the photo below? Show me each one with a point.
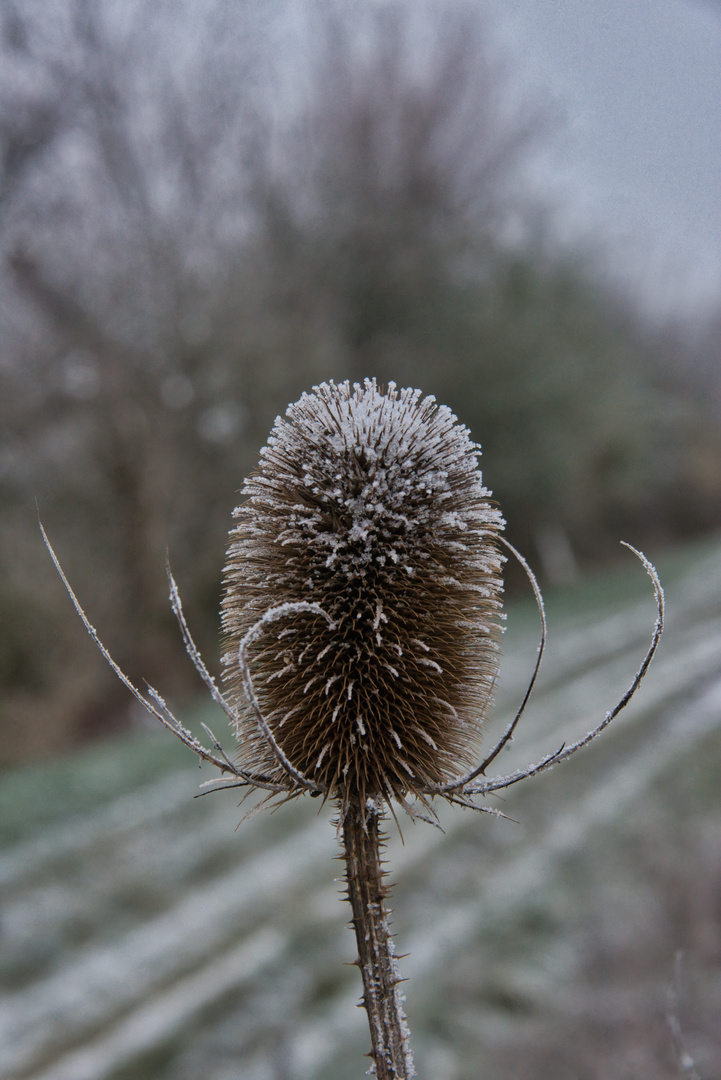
(637, 162)
(640, 159)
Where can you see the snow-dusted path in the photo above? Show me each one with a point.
(152, 939)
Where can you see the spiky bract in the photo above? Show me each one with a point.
(371, 505)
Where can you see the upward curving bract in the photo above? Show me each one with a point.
(369, 505)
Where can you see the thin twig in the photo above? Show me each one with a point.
(194, 653)
(258, 628)
(154, 704)
(684, 1060)
(454, 785)
(500, 782)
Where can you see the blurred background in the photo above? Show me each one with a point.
(206, 207)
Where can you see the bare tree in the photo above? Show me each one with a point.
(199, 220)
(112, 241)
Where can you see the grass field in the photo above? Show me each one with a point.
(144, 936)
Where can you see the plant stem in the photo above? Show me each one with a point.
(367, 893)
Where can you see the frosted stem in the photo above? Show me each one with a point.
(367, 894)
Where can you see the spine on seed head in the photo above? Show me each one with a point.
(371, 505)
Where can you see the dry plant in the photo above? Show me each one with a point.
(361, 618)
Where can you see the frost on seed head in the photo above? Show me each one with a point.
(370, 504)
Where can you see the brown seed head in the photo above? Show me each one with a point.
(371, 505)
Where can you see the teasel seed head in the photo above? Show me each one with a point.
(369, 535)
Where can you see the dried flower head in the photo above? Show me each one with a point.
(369, 535)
